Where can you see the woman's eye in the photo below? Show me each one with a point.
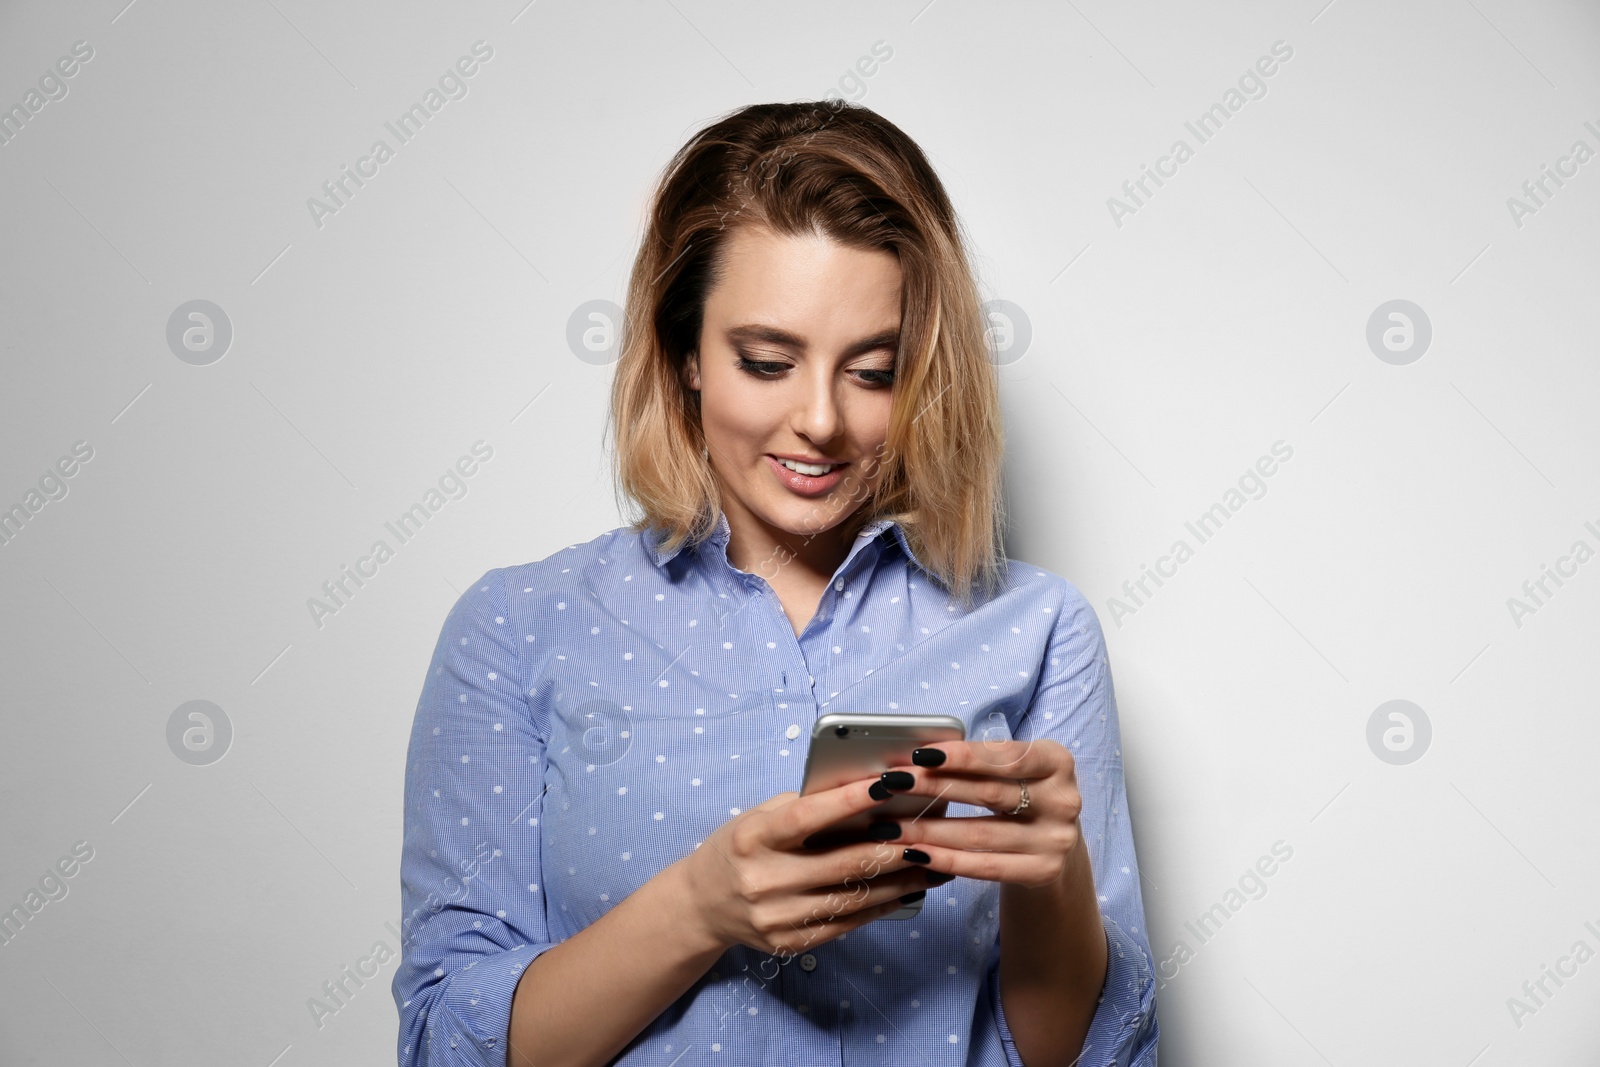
(768, 369)
(759, 367)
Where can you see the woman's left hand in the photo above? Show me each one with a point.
(1032, 848)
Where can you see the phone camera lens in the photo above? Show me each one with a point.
(840, 731)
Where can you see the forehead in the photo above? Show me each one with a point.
(801, 280)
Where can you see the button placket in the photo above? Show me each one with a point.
(807, 984)
(821, 642)
(790, 661)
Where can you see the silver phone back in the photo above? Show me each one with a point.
(868, 745)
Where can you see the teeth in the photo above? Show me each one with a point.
(807, 468)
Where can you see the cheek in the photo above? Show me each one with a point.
(869, 423)
(733, 417)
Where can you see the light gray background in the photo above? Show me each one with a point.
(1167, 354)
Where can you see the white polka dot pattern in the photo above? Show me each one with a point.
(589, 719)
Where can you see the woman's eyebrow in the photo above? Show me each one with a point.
(755, 332)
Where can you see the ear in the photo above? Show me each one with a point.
(691, 370)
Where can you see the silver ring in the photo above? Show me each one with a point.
(1023, 802)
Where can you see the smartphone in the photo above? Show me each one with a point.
(851, 746)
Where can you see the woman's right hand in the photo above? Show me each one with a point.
(753, 882)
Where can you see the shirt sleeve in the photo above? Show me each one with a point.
(472, 903)
(1075, 704)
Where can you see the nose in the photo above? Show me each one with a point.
(817, 415)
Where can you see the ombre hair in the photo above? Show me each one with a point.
(845, 172)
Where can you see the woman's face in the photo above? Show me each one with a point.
(796, 360)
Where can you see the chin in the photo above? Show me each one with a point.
(818, 516)
(795, 516)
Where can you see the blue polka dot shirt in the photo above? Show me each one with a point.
(589, 719)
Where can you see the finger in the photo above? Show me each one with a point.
(999, 794)
(856, 893)
(1026, 868)
(1011, 759)
(776, 800)
(834, 913)
(805, 815)
(859, 862)
(819, 933)
(844, 869)
(998, 833)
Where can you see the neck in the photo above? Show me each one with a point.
(759, 548)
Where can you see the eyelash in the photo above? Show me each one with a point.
(760, 369)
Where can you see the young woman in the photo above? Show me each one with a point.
(603, 857)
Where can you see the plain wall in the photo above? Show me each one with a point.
(1150, 355)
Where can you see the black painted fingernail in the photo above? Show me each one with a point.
(912, 898)
(897, 779)
(916, 855)
(937, 878)
(928, 757)
(879, 791)
(883, 830)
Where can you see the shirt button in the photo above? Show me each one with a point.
(792, 732)
(808, 962)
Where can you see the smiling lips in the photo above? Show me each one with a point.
(814, 468)
(806, 479)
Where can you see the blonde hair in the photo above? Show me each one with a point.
(846, 172)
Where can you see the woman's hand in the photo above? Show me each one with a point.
(752, 881)
(1032, 848)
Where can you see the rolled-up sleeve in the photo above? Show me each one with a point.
(1075, 705)
(472, 901)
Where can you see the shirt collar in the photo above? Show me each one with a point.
(718, 541)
